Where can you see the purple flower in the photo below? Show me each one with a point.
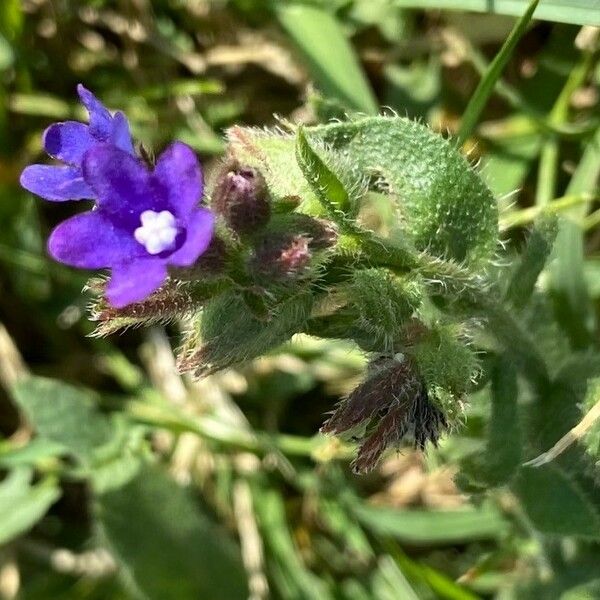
(68, 142)
(143, 221)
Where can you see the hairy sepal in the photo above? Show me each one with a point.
(448, 366)
(384, 302)
(226, 334)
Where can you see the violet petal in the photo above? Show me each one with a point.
(121, 135)
(200, 227)
(90, 241)
(100, 118)
(135, 281)
(68, 141)
(179, 171)
(55, 183)
(122, 185)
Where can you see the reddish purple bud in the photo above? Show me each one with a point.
(240, 197)
(323, 234)
(386, 378)
(282, 255)
(393, 403)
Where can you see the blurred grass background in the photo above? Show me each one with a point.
(236, 455)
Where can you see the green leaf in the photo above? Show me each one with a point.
(432, 527)
(390, 583)
(22, 505)
(532, 262)
(228, 335)
(584, 591)
(442, 202)
(580, 12)
(167, 547)
(301, 582)
(326, 186)
(40, 105)
(11, 18)
(504, 439)
(330, 57)
(486, 85)
(119, 461)
(555, 503)
(63, 414)
(37, 450)
(590, 409)
(7, 56)
(442, 585)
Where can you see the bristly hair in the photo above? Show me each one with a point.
(392, 403)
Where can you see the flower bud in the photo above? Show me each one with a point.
(391, 403)
(282, 255)
(240, 197)
(323, 234)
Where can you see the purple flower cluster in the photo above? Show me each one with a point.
(143, 220)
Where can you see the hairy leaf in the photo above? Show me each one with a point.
(167, 547)
(555, 502)
(64, 414)
(532, 261)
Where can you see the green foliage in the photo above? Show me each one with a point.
(582, 12)
(201, 562)
(591, 439)
(384, 302)
(484, 89)
(331, 59)
(532, 262)
(447, 365)
(65, 415)
(228, 334)
(67, 421)
(432, 527)
(566, 510)
(568, 283)
(22, 504)
(327, 187)
(504, 447)
(442, 202)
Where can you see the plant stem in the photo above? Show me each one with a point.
(527, 215)
(486, 85)
(217, 431)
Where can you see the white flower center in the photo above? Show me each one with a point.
(157, 232)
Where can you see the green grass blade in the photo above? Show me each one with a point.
(431, 526)
(330, 58)
(486, 85)
(579, 12)
(568, 282)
